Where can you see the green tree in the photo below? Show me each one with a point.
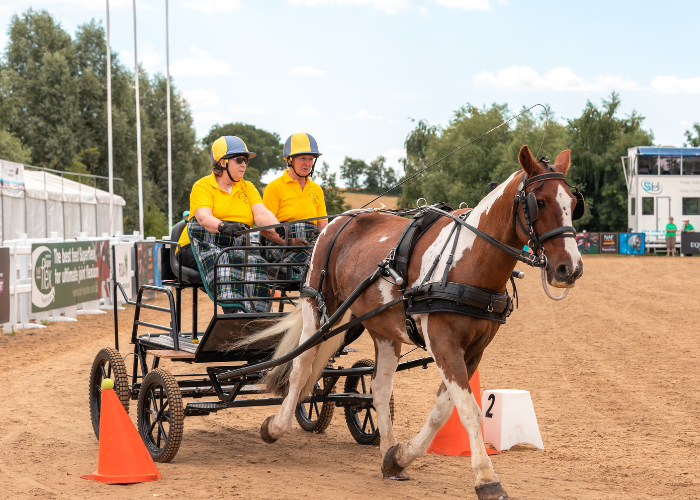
(378, 177)
(693, 140)
(351, 171)
(598, 138)
(335, 202)
(265, 144)
(12, 149)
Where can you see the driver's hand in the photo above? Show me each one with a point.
(298, 242)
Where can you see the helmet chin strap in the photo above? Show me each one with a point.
(229, 173)
(311, 172)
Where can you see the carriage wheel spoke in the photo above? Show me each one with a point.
(161, 430)
(371, 420)
(364, 424)
(364, 387)
(318, 413)
(104, 373)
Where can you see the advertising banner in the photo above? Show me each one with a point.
(608, 243)
(4, 285)
(12, 175)
(632, 243)
(588, 243)
(67, 274)
(145, 270)
(690, 243)
(156, 261)
(122, 267)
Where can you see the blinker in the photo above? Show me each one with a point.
(531, 201)
(580, 207)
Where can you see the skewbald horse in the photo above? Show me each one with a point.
(456, 342)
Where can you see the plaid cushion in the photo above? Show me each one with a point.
(207, 246)
(305, 230)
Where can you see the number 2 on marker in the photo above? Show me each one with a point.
(492, 398)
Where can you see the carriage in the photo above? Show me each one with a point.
(231, 376)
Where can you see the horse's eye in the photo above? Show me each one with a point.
(540, 203)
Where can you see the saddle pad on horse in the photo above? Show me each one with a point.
(207, 246)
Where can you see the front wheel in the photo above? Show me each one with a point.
(161, 417)
(314, 417)
(362, 418)
(108, 364)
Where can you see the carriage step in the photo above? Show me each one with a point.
(207, 406)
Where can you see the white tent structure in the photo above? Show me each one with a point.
(37, 202)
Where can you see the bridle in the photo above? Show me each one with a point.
(530, 205)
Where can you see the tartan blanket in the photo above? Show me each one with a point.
(206, 247)
(275, 253)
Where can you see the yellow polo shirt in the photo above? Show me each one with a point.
(287, 201)
(233, 207)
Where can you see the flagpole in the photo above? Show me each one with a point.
(110, 156)
(138, 128)
(170, 158)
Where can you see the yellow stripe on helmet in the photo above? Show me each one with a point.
(219, 148)
(300, 143)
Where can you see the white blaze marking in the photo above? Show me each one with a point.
(387, 290)
(566, 205)
(466, 237)
(384, 238)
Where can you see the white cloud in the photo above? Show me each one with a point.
(201, 98)
(205, 119)
(17, 6)
(248, 111)
(684, 123)
(388, 6)
(423, 12)
(150, 59)
(392, 159)
(558, 79)
(308, 110)
(363, 115)
(213, 6)
(673, 85)
(465, 4)
(202, 64)
(307, 71)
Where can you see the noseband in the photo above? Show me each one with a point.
(530, 205)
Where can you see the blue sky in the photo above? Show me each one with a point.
(352, 72)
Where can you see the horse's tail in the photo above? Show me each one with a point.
(291, 326)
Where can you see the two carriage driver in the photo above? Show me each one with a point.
(223, 203)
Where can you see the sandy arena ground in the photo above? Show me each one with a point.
(613, 373)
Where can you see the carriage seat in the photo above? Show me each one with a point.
(188, 274)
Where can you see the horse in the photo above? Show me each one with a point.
(456, 342)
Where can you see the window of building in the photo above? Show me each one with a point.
(647, 165)
(670, 165)
(633, 206)
(691, 206)
(691, 165)
(647, 206)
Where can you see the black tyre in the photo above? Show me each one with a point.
(108, 364)
(362, 419)
(161, 417)
(314, 417)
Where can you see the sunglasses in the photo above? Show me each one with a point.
(240, 160)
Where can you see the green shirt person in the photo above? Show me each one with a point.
(671, 238)
(687, 227)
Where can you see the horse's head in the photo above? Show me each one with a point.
(550, 211)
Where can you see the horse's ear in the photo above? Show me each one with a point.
(563, 161)
(527, 161)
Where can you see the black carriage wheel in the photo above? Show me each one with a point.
(160, 415)
(362, 421)
(314, 417)
(108, 364)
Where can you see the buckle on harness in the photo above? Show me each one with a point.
(490, 306)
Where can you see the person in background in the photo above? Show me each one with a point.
(687, 227)
(185, 215)
(671, 238)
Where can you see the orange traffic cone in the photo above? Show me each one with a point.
(452, 439)
(123, 457)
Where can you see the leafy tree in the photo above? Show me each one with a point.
(265, 144)
(693, 140)
(379, 178)
(12, 149)
(598, 138)
(351, 171)
(335, 202)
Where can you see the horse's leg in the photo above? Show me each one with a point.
(387, 354)
(276, 426)
(402, 455)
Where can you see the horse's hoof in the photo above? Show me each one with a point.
(491, 491)
(390, 466)
(265, 433)
(401, 476)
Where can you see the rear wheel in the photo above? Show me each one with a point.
(161, 417)
(362, 418)
(108, 364)
(315, 417)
